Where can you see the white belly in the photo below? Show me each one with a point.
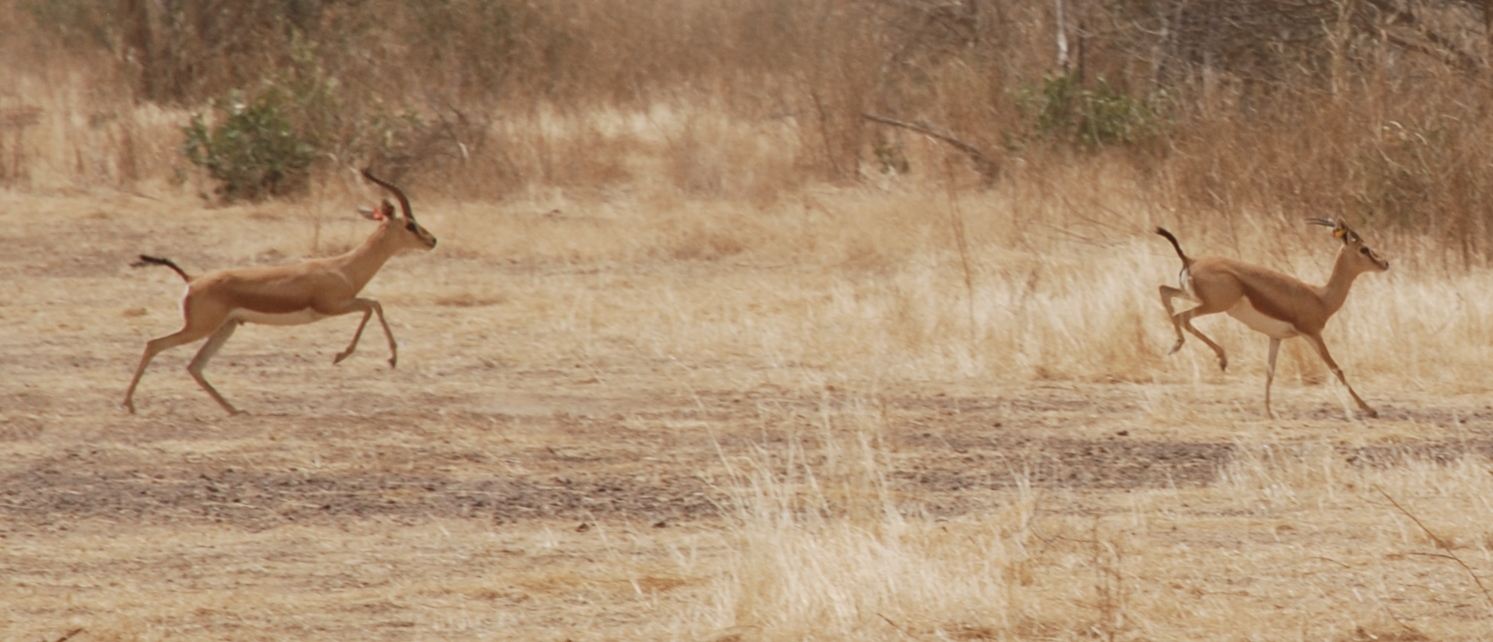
(1269, 326)
(299, 317)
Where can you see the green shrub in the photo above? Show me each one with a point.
(251, 149)
(1062, 109)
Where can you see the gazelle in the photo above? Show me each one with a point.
(1272, 303)
(216, 303)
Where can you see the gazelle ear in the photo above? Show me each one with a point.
(385, 211)
(1346, 234)
(1340, 230)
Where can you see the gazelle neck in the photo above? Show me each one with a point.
(1343, 273)
(362, 263)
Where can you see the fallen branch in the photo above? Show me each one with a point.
(1442, 544)
(67, 636)
(989, 169)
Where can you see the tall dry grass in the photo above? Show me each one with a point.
(1061, 287)
(752, 99)
(1294, 541)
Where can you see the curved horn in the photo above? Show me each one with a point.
(404, 203)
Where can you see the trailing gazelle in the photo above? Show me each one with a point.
(1271, 303)
(216, 303)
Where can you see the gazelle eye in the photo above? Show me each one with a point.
(1364, 251)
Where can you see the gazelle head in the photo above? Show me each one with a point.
(409, 233)
(1361, 257)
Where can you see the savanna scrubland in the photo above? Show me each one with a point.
(750, 320)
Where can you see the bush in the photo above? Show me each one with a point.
(251, 150)
(1062, 109)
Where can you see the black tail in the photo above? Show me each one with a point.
(1185, 261)
(156, 260)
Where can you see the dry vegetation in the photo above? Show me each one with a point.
(705, 355)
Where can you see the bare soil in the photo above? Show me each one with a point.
(588, 476)
(500, 419)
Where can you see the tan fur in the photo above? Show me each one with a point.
(1272, 303)
(216, 303)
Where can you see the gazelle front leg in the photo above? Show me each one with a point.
(1270, 374)
(1321, 347)
(369, 308)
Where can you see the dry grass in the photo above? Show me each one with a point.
(1292, 542)
(695, 368)
(878, 469)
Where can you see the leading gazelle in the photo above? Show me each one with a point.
(216, 303)
(1272, 303)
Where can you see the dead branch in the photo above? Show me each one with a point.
(988, 168)
(67, 636)
(1440, 543)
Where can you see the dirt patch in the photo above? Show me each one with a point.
(258, 500)
(653, 459)
(573, 467)
(1000, 462)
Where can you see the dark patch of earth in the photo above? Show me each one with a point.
(58, 490)
(1000, 462)
(258, 500)
(939, 463)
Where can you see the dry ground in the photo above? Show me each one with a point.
(599, 431)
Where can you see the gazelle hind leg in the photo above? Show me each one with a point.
(205, 354)
(156, 346)
(1184, 320)
(1321, 346)
(1167, 294)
